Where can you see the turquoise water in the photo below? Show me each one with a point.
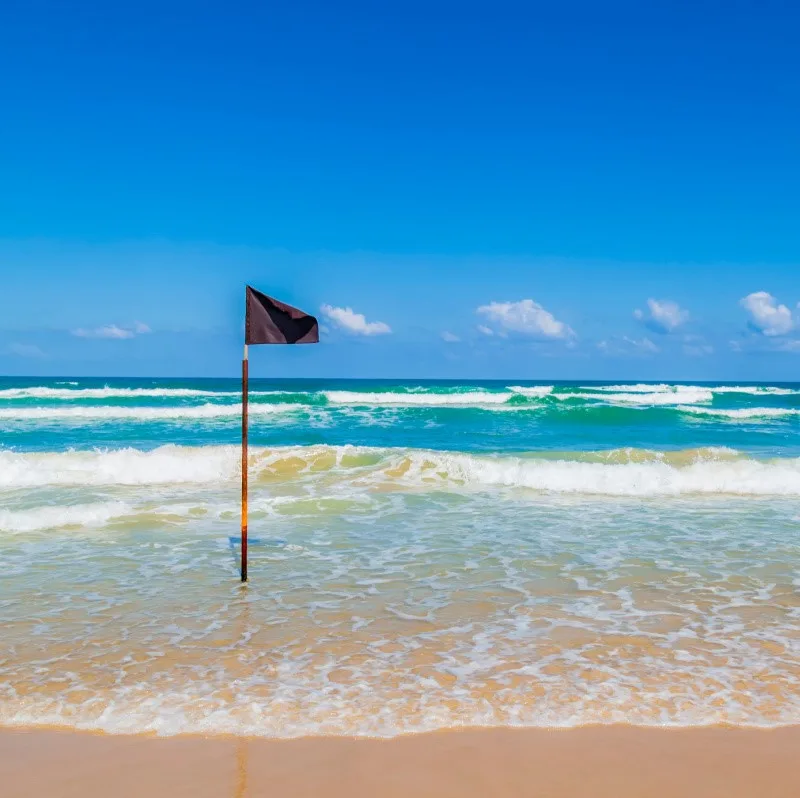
(426, 555)
(55, 415)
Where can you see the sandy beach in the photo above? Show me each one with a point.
(601, 762)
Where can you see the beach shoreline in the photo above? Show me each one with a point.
(597, 761)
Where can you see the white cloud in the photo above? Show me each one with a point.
(642, 345)
(354, 322)
(663, 315)
(450, 337)
(482, 328)
(25, 350)
(627, 346)
(113, 331)
(109, 331)
(526, 316)
(766, 315)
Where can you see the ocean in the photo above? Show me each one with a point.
(424, 555)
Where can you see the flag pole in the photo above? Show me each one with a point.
(244, 465)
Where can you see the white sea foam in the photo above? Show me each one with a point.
(688, 396)
(742, 413)
(78, 515)
(409, 467)
(111, 412)
(536, 391)
(465, 399)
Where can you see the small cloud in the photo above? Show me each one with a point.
(525, 316)
(766, 315)
(354, 322)
(482, 328)
(450, 337)
(662, 315)
(627, 347)
(25, 350)
(113, 331)
(109, 331)
(643, 344)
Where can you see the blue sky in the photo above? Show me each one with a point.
(570, 190)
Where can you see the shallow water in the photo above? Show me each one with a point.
(424, 556)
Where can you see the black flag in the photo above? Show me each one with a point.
(268, 321)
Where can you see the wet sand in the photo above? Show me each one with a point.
(595, 762)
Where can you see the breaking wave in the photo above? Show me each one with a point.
(618, 473)
(164, 465)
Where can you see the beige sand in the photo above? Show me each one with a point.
(611, 762)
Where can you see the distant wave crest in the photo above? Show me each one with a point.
(126, 413)
(72, 394)
(464, 399)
